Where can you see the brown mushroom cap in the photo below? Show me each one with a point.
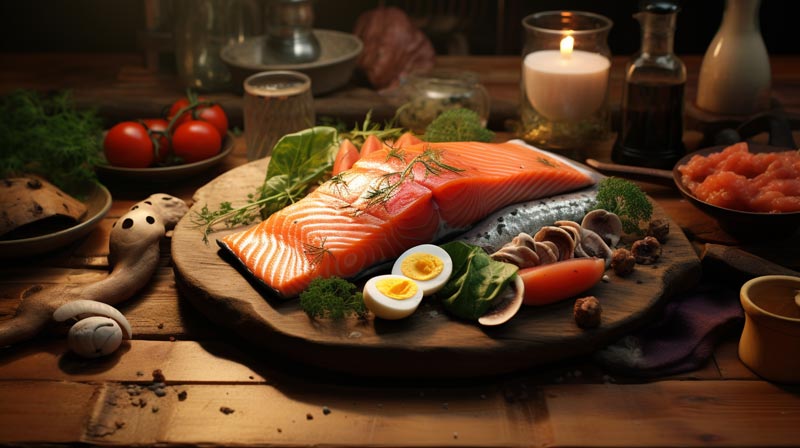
(560, 237)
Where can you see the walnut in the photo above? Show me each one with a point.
(659, 228)
(587, 311)
(647, 250)
(622, 262)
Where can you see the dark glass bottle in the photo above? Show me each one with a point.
(651, 131)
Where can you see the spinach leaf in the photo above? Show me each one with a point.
(298, 162)
(476, 280)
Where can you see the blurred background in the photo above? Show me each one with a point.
(476, 27)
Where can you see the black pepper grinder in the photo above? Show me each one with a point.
(651, 131)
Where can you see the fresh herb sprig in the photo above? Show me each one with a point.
(50, 137)
(430, 159)
(626, 200)
(299, 162)
(332, 297)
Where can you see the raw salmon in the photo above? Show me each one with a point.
(390, 201)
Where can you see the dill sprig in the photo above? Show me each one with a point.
(332, 297)
(430, 159)
(48, 136)
(316, 253)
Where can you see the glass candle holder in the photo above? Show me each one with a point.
(565, 72)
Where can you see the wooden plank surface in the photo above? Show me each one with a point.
(48, 397)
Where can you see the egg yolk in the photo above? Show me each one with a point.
(422, 266)
(397, 288)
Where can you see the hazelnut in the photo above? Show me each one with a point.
(622, 262)
(659, 229)
(587, 311)
(647, 250)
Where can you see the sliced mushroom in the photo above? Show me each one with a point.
(604, 223)
(505, 305)
(520, 252)
(560, 237)
(547, 252)
(576, 231)
(594, 246)
(521, 256)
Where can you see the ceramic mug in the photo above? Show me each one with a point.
(276, 103)
(770, 342)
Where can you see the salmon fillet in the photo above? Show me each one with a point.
(390, 201)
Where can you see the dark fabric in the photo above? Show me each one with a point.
(682, 338)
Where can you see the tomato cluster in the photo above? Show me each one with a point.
(193, 130)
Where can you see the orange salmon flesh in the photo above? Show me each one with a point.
(392, 200)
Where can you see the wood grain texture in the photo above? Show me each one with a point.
(679, 413)
(430, 343)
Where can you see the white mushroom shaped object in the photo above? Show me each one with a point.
(133, 256)
(604, 223)
(99, 330)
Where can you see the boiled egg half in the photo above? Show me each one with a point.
(392, 296)
(427, 264)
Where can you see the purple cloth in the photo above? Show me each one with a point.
(682, 338)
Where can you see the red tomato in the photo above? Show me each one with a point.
(371, 144)
(346, 157)
(558, 281)
(157, 127)
(128, 145)
(407, 139)
(212, 114)
(196, 140)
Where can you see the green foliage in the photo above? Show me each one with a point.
(475, 282)
(627, 200)
(457, 125)
(299, 161)
(332, 297)
(47, 136)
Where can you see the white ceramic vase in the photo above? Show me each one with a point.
(735, 75)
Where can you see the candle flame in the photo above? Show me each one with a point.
(566, 46)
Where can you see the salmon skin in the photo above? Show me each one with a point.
(392, 200)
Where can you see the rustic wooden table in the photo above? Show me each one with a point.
(50, 397)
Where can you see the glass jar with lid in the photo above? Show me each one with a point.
(426, 95)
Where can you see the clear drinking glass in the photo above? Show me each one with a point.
(566, 61)
(276, 103)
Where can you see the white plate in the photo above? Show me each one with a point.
(166, 173)
(98, 202)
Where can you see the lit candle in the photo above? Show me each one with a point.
(566, 84)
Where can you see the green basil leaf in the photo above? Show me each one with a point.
(476, 280)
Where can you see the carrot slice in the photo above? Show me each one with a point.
(346, 157)
(371, 144)
(551, 283)
(407, 139)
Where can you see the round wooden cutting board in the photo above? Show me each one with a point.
(428, 344)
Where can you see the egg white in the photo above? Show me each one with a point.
(386, 307)
(428, 286)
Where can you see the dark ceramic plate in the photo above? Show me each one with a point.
(166, 173)
(740, 224)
